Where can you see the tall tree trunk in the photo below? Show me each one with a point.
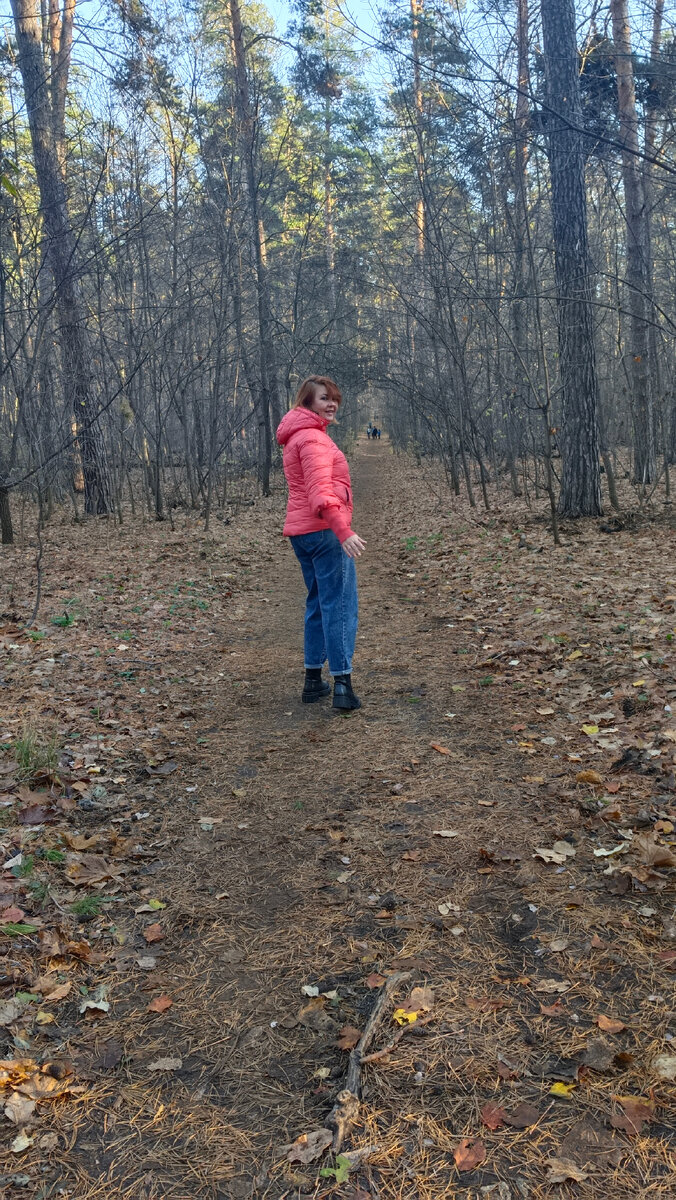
(580, 476)
(637, 344)
(649, 145)
(247, 129)
(417, 9)
(62, 251)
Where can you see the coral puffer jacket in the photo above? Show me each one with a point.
(320, 493)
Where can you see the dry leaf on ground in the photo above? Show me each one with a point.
(492, 1115)
(374, 980)
(560, 1170)
(166, 1064)
(160, 1004)
(610, 1024)
(523, 1116)
(636, 1111)
(559, 853)
(348, 1037)
(469, 1154)
(309, 1146)
(153, 933)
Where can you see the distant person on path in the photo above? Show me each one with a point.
(378, 433)
(317, 523)
(369, 430)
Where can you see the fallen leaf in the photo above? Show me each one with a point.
(21, 1142)
(446, 833)
(10, 1010)
(309, 1146)
(310, 989)
(552, 1010)
(95, 1005)
(446, 908)
(553, 985)
(374, 980)
(87, 869)
(411, 855)
(560, 1170)
(610, 1024)
(558, 853)
(492, 1115)
(19, 1109)
(420, 1000)
(165, 768)
(588, 777)
(561, 1089)
(11, 915)
(523, 1116)
(160, 1004)
(439, 749)
(636, 1110)
(469, 1154)
(58, 993)
(153, 933)
(590, 730)
(402, 1017)
(166, 1064)
(348, 1037)
(652, 854)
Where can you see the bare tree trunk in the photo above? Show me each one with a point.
(62, 252)
(637, 345)
(581, 478)
(247, 125)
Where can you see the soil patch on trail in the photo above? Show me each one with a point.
(206, 884)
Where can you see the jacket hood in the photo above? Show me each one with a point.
(299, 418)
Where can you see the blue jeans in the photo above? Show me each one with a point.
(331, 606)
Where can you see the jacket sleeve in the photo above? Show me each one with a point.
(317, 467)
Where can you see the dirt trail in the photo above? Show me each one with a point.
(296, 846)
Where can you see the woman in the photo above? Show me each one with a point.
(318, 525)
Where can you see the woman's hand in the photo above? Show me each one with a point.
(354, 546)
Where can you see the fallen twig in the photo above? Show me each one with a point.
(346, 1109)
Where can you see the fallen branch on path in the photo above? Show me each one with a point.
(346, 1109)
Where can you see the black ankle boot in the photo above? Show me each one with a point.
(314, 687)
(343, 696)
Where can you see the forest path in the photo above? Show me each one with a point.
(301, 881)
(260, 846)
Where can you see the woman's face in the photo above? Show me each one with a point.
(323, 405)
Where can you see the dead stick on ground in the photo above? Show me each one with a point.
(346, 1109)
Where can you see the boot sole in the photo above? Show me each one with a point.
(345, 704)
(314, 698)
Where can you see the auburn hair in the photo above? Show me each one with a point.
(306, 391)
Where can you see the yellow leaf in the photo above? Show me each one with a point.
(404, 1018)
(561, 1089)
(44, 1018)
(590, 730)
(638, 683)
(575, 654)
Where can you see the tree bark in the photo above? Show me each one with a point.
(61, 249)
(580, 476)
(247, 130)
(637, 344)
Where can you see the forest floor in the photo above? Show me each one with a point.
(205, 885)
